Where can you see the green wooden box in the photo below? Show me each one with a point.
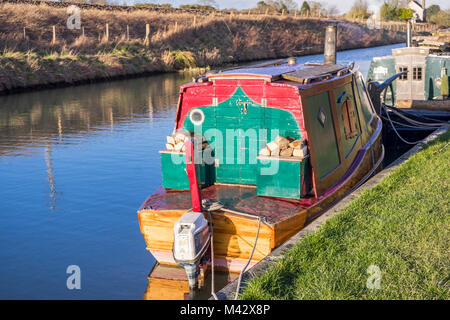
(174, 175)
(283, 177)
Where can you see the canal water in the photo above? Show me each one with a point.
(75, 165)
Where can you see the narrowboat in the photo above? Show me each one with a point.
(423, 83)
(256, 154)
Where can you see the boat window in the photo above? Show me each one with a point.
(197, 117)
(417, 73)
(349, 119)
(349, 122)
(403, 76)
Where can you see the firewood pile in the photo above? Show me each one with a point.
(285, 147)
(177, 141)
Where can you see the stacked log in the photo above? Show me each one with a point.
(285, 147)
(177, 141)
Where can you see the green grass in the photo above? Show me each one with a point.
(402, 226)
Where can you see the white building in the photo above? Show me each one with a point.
(419, 14)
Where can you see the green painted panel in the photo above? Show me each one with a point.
(174, 176)
(209, 122)
(287, 180)
(342, 94)
(381, 69)
(280, 123)
(228, 173)
(245, 119)
(322, 134)
(433, 71)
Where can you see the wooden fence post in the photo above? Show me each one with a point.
(147, 34)
(54, 35)
(176, 26)
(128, 33)
(24, 33)
(82, 32)
(195, 21)
(107, 32)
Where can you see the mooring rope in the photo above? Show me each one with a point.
(406, 118)
(248, 262)
(412, 115)
(415, 122)
(214, 205)
(213, 291)
(395, 130)
(406, 125)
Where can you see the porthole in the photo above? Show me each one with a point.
(197, 117)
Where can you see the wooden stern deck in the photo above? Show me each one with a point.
(234, 235)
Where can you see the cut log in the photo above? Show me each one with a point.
(179, 146)
(275, 152)
(169, 146)
(297, 144)
(272, 146)
(286, 152)
(301, 152)
(181, 137)
(264, 152)
(282, 142)
(171, 139)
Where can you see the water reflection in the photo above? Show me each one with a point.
(51, 176)
(30, 120)
(170, 283)
(78, 162)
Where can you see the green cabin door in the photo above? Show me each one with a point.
(241, 128)
(240, 120)
(323, 136)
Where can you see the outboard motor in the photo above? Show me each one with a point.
(191, 240)
(191, 232)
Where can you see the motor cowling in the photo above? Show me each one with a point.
(191, 240)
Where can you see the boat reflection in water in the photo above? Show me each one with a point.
(171, 283)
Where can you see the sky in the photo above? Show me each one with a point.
(342, 5)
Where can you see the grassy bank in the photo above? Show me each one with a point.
(29, 56)
(401, 226)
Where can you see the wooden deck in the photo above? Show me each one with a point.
(234, 197)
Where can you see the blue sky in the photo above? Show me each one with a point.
(342, 5)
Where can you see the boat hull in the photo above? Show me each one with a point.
(235, 234)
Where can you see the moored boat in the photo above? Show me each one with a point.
(259, 152)
(423, 83)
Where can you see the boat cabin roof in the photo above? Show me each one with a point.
(298, 73)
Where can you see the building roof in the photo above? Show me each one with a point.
(416, 3)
